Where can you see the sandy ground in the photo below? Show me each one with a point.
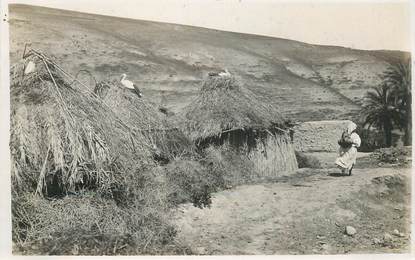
(304, 214)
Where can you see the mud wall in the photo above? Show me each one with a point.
(318, 136)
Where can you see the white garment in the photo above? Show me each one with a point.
(347, 156)
(356, 140)
(351, 127)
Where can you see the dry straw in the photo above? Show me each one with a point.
(63, 134)
(143, 116)
(224, 105)
(275, 156)
(224, 109)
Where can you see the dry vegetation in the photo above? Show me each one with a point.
(98, 171)
(279, 155)
(86, 180)
(223, 104)
(226, 113)
(307, 160)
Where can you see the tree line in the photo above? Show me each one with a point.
(388, 105)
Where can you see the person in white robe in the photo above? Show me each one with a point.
(347, 155)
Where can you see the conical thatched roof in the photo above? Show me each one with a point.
(144, 117)
(139, 111)
(224, 105)
(62, 131)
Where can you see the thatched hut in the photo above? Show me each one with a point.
(143, 116)
(63, 137)
(97, 154)
(227, 113)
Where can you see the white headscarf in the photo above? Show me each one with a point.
(351, 127)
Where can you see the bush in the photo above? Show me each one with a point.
(87, 224)
(393, 155)
(217, 168)
(371, 140)
(133, 217)
(190, 181)
(307, 161)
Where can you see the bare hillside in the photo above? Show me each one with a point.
(168, 61)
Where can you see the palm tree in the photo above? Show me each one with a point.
(380, 111)
(398, 78)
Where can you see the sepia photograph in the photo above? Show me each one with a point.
(215, 127)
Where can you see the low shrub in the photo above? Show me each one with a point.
(216, 168)
(132, 217)
(87, 224)
(307, 161)
(190, 181)
(393, 155)
(371, 140)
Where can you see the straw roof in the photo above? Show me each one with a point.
(224, 105)
(139, 111)
(144, 117)
(61, 131)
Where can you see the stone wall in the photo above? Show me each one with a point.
(318, 136)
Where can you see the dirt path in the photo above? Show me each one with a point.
(304, 214)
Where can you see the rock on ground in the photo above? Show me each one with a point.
(350, 230)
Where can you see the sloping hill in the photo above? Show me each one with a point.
(168, 61)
